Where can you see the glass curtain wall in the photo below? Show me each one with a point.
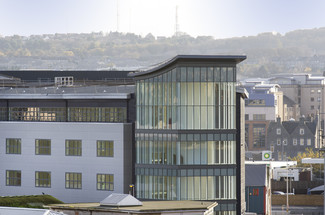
(190, 113)
(188, 98)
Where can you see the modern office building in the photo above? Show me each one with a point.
(190, 132)
(74, 143)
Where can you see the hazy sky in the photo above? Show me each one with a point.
(218, 18)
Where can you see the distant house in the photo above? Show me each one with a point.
(287, 139)
(264, 105)
(258, 188)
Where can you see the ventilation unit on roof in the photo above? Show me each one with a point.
(63, 81)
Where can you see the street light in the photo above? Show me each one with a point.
(287, 207)
(323, 150)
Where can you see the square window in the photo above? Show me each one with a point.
(312, 99)
(278, 131)
(278, 142)
(308, 142)
(13, 146)
(301, 131)
(42, 179)
(42, 147)
(272, 148)
(105, 182)
(13, 178)
(73, 148)
(105, 148)
(73, 180)
(285, 142)
(302, 142)
(294, 142)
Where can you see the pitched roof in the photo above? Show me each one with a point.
(290, 126)
(116, 199)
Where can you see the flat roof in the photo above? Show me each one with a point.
(202, 58)
(74, 92)
(146, 207)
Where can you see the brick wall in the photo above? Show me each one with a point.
(298, 200)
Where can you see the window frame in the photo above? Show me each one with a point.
(39, 181)
(105, 148)
(39, 148)
(13, 148)
(278, 142)
(75, 149)
(301, 131)
(278, 131)
(107, 184)
(302, 141)
(74, 183)
(13, 181)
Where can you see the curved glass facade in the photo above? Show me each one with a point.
(186, 133)
(186, 149)
(187, 98)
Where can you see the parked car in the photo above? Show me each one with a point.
(278, 193)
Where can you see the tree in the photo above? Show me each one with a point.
(309, 153)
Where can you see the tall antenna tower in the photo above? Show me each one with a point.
(117, 18)
(176, 22)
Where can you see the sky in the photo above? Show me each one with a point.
(217, 18)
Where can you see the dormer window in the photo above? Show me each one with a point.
(278, 131)
(302, 131)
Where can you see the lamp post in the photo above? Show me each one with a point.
(287, 206)
(323, 150)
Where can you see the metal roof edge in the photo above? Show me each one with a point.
(236, 58)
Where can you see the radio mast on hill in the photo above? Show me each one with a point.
(117, 18)
(176, 23)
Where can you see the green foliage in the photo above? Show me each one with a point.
(309, 153)
(267, 53)
(35, 201)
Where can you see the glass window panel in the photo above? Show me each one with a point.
(13, 178)
(223, 74)
(197, 93)
(13, 146)
(197, 75)
(203, 74)
(190, 74)
(73, 180)
(204, 188)
(197, 153)
(217, 75)
(73, 148)
(230, 74)
(204, 152)
(190, 152)
(183, 74)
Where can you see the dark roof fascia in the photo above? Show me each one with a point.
(226, 59)
(243, 92)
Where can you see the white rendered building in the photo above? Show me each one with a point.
(72, 143)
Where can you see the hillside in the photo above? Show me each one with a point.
(267, 53)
